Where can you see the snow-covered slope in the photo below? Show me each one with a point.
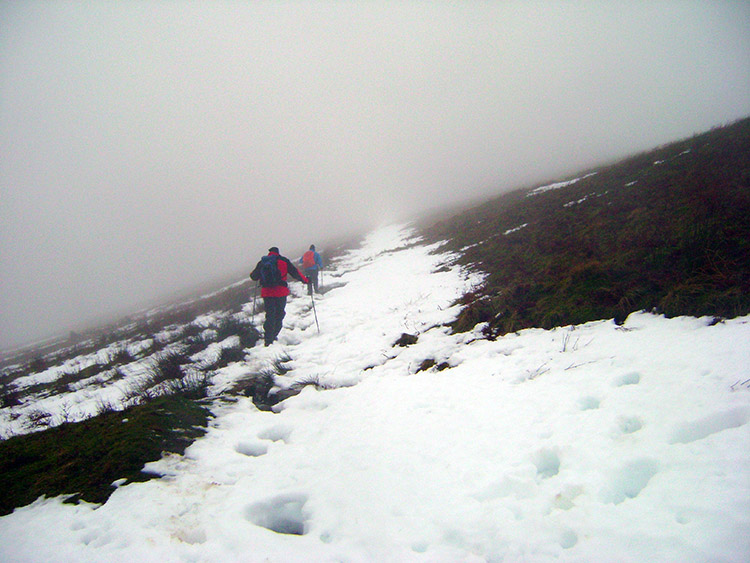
(590, 443)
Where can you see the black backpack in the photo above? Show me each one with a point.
(270, 275)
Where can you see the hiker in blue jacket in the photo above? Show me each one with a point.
(312, 263)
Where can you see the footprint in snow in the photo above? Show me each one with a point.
(688, 432)
(251, 448)
(547, 463)
(632, 378)
(276, 433)
(629, 481)
(589, 403)
(568, 539)
(283, 514)
(629, 424)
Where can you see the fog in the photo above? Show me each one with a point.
(147, 148)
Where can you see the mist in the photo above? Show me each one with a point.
(147, 148)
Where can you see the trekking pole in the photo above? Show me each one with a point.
(315, 312)
(255, 295)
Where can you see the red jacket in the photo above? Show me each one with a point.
(285, 267)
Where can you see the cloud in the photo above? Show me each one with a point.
(147, 148)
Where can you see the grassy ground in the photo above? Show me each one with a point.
(665, 230)
(84, 459)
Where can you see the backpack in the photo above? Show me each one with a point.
(270, 275)
(308, 259)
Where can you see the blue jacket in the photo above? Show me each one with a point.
(318, 260)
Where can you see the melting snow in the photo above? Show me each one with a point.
(516, 229)
(557, 185)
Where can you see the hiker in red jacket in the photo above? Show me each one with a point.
(272, 271)
(312, 263)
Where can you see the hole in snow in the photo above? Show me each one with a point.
(630, 480)
(283, 514)
(251, 448)
(547, 463)
(629, 424)
(589, 403)
(568, 539)
(276, 433)
(699, 429)
(326, 537)
(631, 378)
(191, 536)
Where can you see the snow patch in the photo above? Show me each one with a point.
(558, 185)
(516, 229)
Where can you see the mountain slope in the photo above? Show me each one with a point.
(664, 230)
(388, 436)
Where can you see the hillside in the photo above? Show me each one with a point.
(666, 230)
(663, 232)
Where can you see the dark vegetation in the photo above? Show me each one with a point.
(83, 459)
(258, 386)
(667, 230)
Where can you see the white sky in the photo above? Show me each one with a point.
(147, 147)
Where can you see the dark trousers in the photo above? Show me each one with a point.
(275, 311)
(312, 275)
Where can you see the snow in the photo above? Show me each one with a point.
(558, 185)
(516, 229)
(595, 442)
